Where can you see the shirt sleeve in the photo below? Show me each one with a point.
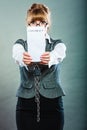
(17, 54)
(58, 54)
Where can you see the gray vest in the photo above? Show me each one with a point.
(49, 83)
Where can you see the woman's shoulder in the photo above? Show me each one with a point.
(21, 42)
(56, 40)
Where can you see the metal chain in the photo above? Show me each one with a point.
(37, 73)
(35, 70)
(37, 96)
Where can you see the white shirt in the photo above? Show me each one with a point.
(56, 56)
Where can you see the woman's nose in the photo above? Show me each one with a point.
(37, 23)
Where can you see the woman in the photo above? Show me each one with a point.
(39, 104)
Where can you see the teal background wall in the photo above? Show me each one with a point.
(69, 24)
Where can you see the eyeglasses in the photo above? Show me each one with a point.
(38, 23)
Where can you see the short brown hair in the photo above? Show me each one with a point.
(38, 12)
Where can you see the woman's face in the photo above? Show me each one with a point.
(38, 23)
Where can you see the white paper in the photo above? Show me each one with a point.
(36, 42)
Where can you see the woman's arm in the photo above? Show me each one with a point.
(21, 57)
(54, 57)
(58, 54)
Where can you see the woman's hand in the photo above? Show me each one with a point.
(27, 58)
(45, 58)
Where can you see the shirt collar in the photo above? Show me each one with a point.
(48, 37)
